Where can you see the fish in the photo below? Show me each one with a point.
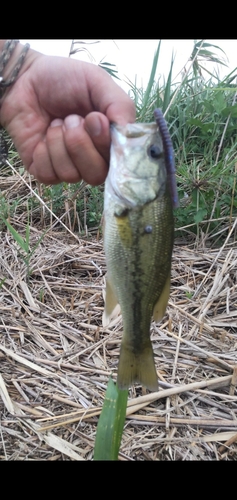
(138, 238)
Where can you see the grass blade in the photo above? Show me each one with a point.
(111, 422)
(150, 85)
(167, 92)
(17, 237)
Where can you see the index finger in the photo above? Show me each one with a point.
(109, 98)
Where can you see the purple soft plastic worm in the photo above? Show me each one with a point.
(169, 155)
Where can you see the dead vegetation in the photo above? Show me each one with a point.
(56, 357)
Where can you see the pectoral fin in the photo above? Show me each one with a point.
(110, 303)
(160, 306)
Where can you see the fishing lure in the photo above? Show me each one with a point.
(169, 155)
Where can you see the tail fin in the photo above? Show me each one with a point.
(137, 367)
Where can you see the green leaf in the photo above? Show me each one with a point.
(2, 282)
(230, 110)
(107, 63)
(205, 44)
(168, 85)
(200, 215)
(28, 230)
(151, 79)
(219, 102)
(111, 422)
(109, 68)
(17, 237)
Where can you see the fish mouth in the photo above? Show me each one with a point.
(137, 135)
(116, 193)
(121, 134)
(133, 130)
(127, 203)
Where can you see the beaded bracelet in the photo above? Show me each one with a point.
(8, 49)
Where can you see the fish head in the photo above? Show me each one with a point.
(137, 173)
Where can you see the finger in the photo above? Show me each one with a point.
(98, 128)
(89, 162)
(42, 167)
(121, 112)
(63, 166)
(114, 102)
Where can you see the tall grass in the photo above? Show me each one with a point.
(201, 112)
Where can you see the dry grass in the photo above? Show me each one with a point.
(56, 357)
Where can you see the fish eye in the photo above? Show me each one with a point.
(154, 151)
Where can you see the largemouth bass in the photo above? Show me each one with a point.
(138, 243)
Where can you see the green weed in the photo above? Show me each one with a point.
(25, 252)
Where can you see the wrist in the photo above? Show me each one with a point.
(7, 70)
(14, 60)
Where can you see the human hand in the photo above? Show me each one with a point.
(58, 114)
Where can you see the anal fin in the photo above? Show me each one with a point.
(110, 303)
(160, 306)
